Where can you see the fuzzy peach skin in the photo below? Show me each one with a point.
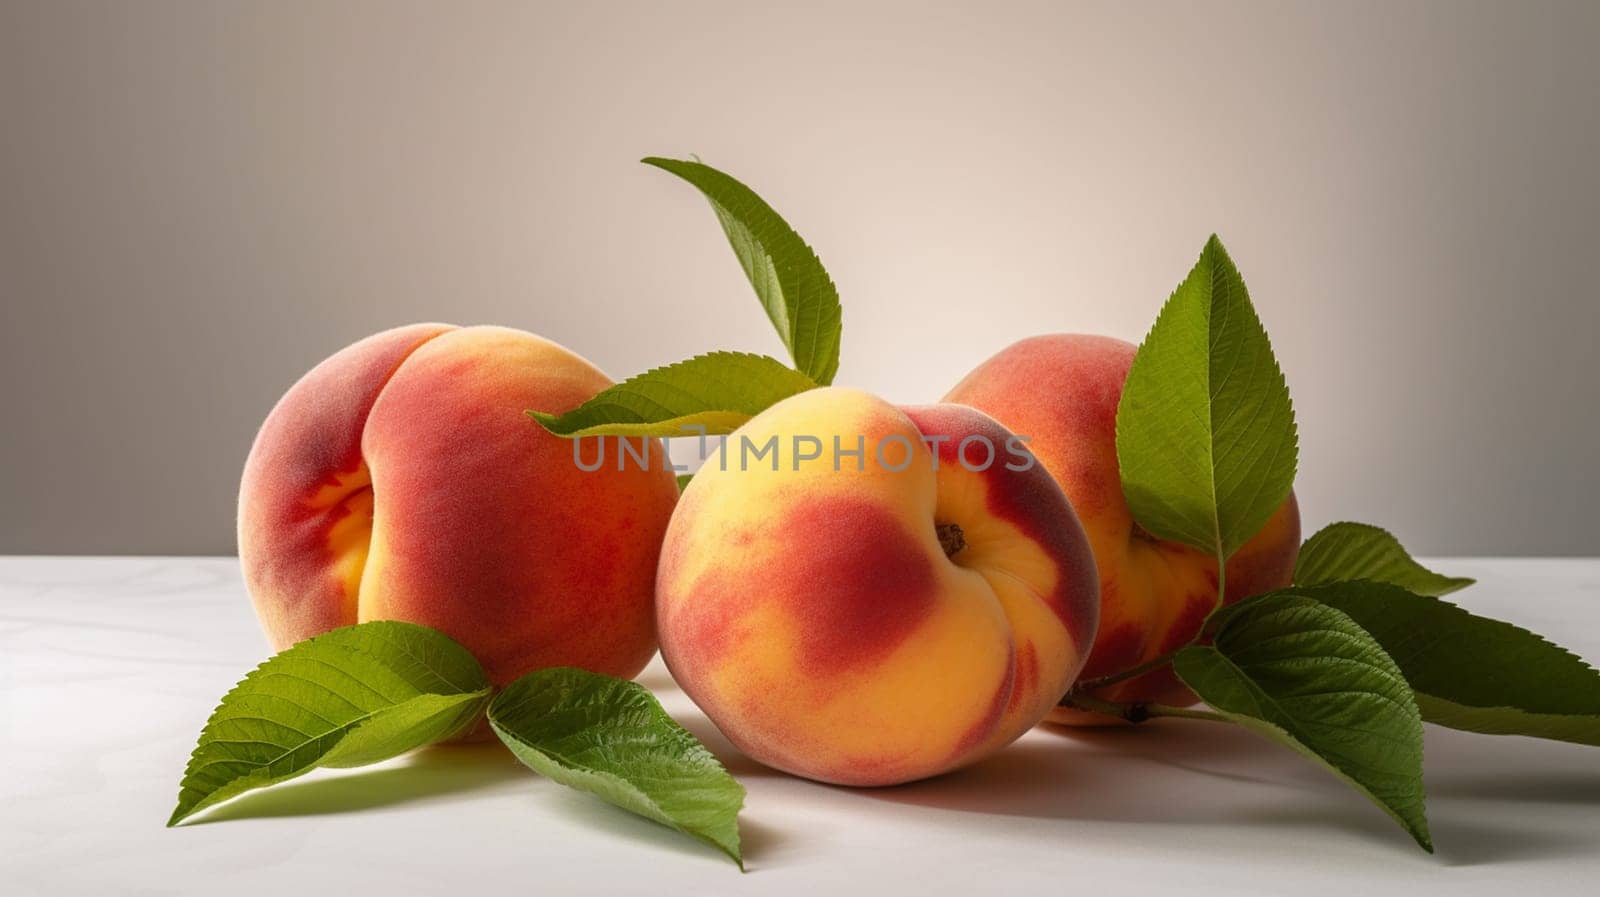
(400, 480)
(1061, 391)
(816, 617)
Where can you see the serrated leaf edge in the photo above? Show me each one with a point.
(1444, 584)
(1419, 833)
(827, 312)
(661, 817)
(717, 421)
(227, 792)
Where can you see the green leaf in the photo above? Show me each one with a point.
(718, 391)
(1346, 551)
(1471, 672)
(789, 279)
(683, 480)
(611, 738)
(1305, 675)
(349, 697)
(1205, 431)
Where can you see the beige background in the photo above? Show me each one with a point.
(199, 201)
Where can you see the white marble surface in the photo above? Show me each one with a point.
(109, 667)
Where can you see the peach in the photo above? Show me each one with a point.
(1061, 392)
(857, 606)
(400, 480)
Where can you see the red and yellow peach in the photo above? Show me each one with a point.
(400, 479)
(1061, 391)
(861, 607)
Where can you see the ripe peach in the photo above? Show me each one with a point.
(400, 479)
(1061, 391)
(860, 607)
